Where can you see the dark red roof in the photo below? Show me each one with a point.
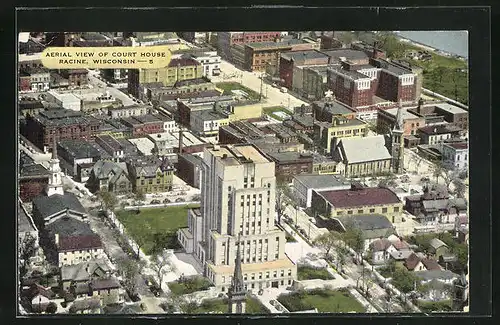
(72, 243)
(459, 145)
(183, 62)
(360, 197)
(431, 264)
(412, 261)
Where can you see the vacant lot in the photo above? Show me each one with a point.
(155, 228)
(227, 87)
(326, 301)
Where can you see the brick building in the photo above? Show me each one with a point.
(350, 86)
(303, 58)
(75, 77)
(189, 169)
(395, 82)
(289, 164)
(225, 40)
(411, 122)
(33, 178)
(144, 124)
(265, 56)
(61, 124)
(449, 113)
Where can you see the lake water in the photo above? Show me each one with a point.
(454, 42)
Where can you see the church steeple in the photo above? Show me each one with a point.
(237, 294)
(397, 137)
(55, 185)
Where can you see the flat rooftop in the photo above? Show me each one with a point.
(299, 56)
(172, 139)
(78, 148)
(350, 73)
(334, 107)
(406, 114)
(451, 108)
(346, 53)
(238, 154)
(322, 181)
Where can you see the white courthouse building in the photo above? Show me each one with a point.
(238, 198)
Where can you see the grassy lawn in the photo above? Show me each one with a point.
(189, 285)
(154, 228)
(227, 87)
(309, 273)
(432, 306)
(273, 109)
(221, 306)
(326, 301)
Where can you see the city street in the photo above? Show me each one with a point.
(101, 85)
(274, 97)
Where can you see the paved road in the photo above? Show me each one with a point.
(99, 84)
(274, 97)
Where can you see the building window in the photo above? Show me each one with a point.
(360, 211)
(372, 210)
(396, 209)
(349, 211)
(384, 210)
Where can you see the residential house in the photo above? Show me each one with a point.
(435, 206)
(455, 155)
(418, 263)
(150, 175)
(384, 249)
(363, 156)
(357, 201)
(83, 273)
(463, 235)
(304, 185)
(438, 284)
(438, 248)
(435, 134)
(107, 289)
(39, 297)
(91, 305)
(109, 176)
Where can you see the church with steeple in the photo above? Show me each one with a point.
(237, 291)
(55, 185)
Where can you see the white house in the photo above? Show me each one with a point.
(455, 155)
(383, 249)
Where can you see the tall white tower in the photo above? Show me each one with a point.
(55, 185)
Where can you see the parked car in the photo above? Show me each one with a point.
(179, 199)
(275, 85)
(424, 179)
(155, 202)
(283, 90)
(166, 201)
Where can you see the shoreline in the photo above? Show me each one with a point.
(430, 48)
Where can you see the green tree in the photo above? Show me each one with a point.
(27, 249)
(108, 200)
(51, 308)
(391, 45)
(404, 280)
(353, 237)
(160, 265)
(327, 241)
(283, 197)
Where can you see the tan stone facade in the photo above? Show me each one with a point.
(238, 197)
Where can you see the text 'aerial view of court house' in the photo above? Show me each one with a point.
(256, 172)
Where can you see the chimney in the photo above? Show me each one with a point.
(180, 140)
